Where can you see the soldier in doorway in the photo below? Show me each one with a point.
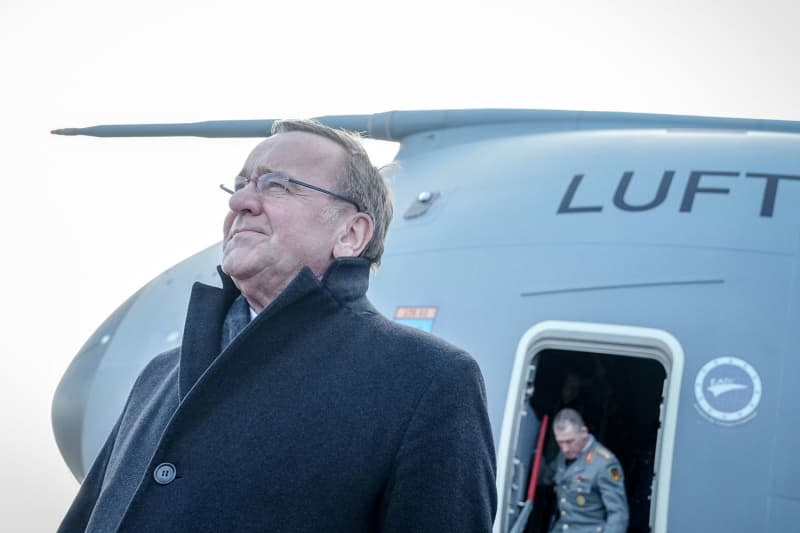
(589, 483)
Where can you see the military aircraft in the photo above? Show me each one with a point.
(642, 268)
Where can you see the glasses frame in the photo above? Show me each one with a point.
(288, 179)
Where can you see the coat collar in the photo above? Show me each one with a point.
(344, 283)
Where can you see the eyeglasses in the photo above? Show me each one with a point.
(277, 183)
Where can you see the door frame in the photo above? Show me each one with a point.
(611, 339)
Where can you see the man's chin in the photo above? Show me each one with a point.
(243, 269)
(236, 269)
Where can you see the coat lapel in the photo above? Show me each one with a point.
(203, 329)
(303, 301)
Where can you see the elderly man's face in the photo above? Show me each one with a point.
(571, 439)
(269, 237)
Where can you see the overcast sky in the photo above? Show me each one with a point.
(88, 221)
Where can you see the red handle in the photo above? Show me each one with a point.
(537, 462)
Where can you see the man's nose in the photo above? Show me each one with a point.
(248, 198)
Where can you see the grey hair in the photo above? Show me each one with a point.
(566, 417)
(358, 179)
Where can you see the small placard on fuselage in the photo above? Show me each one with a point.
(416, 317)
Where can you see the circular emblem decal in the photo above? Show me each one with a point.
(727, 390)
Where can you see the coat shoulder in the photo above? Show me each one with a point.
(160, 365)
(604, 452)
(606, 457)
(153, 376)
(411, 344)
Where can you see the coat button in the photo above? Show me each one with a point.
(164, 473)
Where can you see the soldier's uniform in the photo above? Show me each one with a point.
(590, 492)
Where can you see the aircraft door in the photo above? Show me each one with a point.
(625, 382)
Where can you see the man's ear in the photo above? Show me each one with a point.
(354, 237)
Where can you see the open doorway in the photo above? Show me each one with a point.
(620, 401)
(625, 382)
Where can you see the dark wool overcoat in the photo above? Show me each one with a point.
(321, 415)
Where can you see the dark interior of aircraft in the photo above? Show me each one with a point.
(619, 398)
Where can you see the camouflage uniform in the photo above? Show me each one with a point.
(590, 492)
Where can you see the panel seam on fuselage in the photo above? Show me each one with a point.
(625, 286)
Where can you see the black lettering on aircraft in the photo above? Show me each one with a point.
(692, 189)
(622, 188)
(566, 202)
(770, 190)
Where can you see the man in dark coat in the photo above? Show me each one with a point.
(292, 405)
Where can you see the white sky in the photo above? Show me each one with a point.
(86, 222)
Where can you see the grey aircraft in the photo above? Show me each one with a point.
(644, 269)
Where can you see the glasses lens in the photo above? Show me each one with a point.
(274, 183)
